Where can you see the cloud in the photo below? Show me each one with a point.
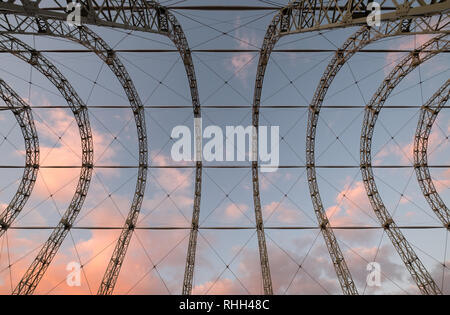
(171, 179)
(235, 212)
(442, 182)
(60, 145)
(405, 43)
(405, 150)
(316, 277)
(282, 213)
(352, 206)
(95, 249)
(239, 62)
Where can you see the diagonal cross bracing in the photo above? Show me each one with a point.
(412, 262)
(36, 271)
(302, 16)
(428, 115)
(25, 120)
(356, 42)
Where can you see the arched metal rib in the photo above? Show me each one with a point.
(168, 26)
(356, 42)
(270, 39)
(295, 18)
(176, 34)
(86, 37)
(36, 271)
(24, 117)
(299, 16)
(428, 114)
(89, 39)
(412, 262)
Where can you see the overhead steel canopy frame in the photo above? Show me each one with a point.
(86, 37)
(304, 16)
(36, 271)
(428, 115)
(169, 26)
(412, 262)
(24, 117)
(363, 37)
(149, 16)
(297, 17)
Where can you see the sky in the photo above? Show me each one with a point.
(227, 260)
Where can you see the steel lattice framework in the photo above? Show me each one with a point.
(403, 17)
(37, 269)
(149, 16)
(428, 116)
(87, 38)
(302, 16)
(355, 43)
(412, 262)
(24, 117)
(90, 40)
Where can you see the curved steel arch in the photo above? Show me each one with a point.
(149, 16)
(299, 16)
(303, 16)
(363, 37)
(89, 39)
(36, 271)
(412, 262)
(428, 114)
(176, 34)
(168, 26)
(24, 117)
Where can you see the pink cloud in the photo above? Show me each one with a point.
(405, 151)
(59, 131)
(235, 212)
(442, 182)
(351, 203)
(239, 62)
(282, 213)
(405, 43)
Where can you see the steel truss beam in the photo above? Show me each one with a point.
(299, 17)
(139, 15)
(412, 262)
(362, 38)
(36, 271)
(304, 16)
(428, 114)
(228, 228)
(24, 117)
(90, 40)
(178, 37)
